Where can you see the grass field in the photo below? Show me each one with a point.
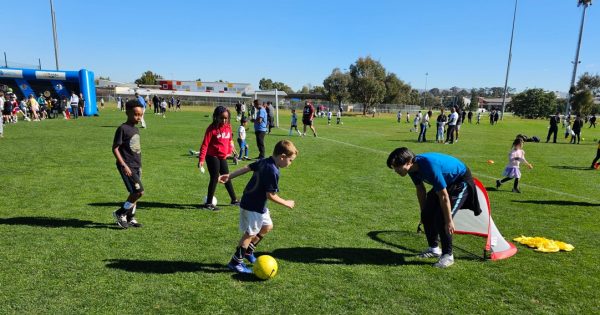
(349, 246)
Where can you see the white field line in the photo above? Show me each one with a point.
(476, 174)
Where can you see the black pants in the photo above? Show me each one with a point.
(433, 218)
(596, 158)
(576, 137)
(75, 110)
(217, 167)
(450, 134)
(515, 185)
(260, 143)
(552, 130)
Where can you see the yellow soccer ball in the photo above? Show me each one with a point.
(265, 267)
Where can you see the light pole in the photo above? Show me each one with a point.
(54, 34)
(585, 4)
(425, 93)
(512, 34)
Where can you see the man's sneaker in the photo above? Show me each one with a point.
(134, 223)
(431, 252)
(498, 183)
(210, 206)
(250, 258)
(235, 202)
(238, 267)
(445, 261)
(121, 219)
(516, 190)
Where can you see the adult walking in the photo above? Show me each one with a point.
(553, 127)
(577, 125)
(593, 121)
(156, 104)
(424, 126)
(260, 128)
(308, 115)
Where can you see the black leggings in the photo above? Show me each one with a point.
(515, 185)
(217, 167)
(433, 218)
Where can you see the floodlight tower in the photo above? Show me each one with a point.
(586, 4)
(512, 34)
(54, 33)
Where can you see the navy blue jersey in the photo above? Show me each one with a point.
(265, 179)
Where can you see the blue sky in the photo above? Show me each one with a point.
(459, 43)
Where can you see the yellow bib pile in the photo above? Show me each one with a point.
(544, 245)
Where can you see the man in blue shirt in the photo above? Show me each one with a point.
(260, 128)
(143, 102)
(453, 188)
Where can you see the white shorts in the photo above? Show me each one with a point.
(251, 222)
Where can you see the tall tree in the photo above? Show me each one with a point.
(368, 82)
(337, 86)
(533, 103)
(589, 82)
(474, 100)
(148, 78)
(268, 84)
(396, 90)
(583, 102)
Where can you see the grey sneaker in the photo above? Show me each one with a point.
(121, 219)
(445, 261)
(431, 252)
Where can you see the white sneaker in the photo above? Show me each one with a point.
(445, 261)
(431, 252)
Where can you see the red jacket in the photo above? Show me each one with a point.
(217, 142)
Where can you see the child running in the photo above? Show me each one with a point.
(255, 220)
(512, 171)
(128, 152)
(294, 123)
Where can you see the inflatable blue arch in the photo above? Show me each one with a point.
(58, 84)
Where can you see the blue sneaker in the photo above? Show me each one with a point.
(239, 268)
(250, 258)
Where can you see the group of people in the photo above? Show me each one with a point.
(447, 126)
(36, 109)
(572, 129)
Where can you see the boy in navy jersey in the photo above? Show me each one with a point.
(255, 220)
(127, 150)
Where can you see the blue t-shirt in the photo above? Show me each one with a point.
(438, 170)
(142, 101)
(265, 179)
(262, 126)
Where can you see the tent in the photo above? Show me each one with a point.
(465, 222)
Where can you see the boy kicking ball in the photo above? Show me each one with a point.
(128, 152)
(255, 220)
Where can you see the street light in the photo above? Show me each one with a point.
(585, 4)
(425, 93)
(54, 33)
(512, 34)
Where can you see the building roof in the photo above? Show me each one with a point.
(147, 91)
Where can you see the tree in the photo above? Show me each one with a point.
(474, 100)
(533, 103)
(396, 90)
(337, 86)
(148, 78)
(268, 84)
(583, 102)
(589, 82)
(435, 92)
(368, 82)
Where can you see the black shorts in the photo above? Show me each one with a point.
(294, 126)
(133, 183)
(307, 122)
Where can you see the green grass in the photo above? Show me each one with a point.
(348, 247)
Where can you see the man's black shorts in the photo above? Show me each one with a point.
(133, 183)
(307, 122)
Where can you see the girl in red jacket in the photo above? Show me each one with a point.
(216, 147)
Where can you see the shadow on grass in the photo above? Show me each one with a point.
(569, 167)
(505, 190)
(246, 277)
(56, 223)
(164, 266)
(343, 256)
(414, 238)
(559, 203)
(152, 204)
